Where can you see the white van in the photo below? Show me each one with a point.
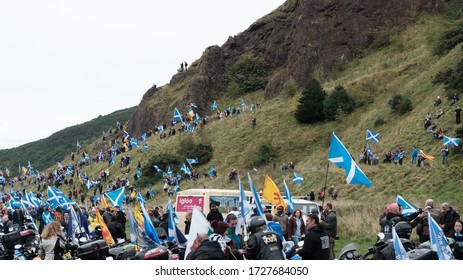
(204, 198)
(306, 206)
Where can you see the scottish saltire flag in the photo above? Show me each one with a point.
(372, 136)
(256, 198)
(339, 155)
(177, 115)
(449, 141)
(84, 223)
(134, 142)
(157, 169)
(143, 137)
(297, 179)
(78, 146)
(140, 198)
(185, 169)
(126, 134)
(192, 160)
(145, 147)
(88, 184)
(137, 234)
(400, 253)
(13, 203)
(57, 198)
(174, 233)
(407, 207)
(214, 106)
(73, 227)
(438, 241)
(139, 172)
(34, 199)
(46, 217)
(149, 228)
(289, 198)
(7, 172)
(199, 224)
(242, 103)
(26, 201)
(164, 174)
(169, 171)
(116, 197)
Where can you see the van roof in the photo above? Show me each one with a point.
(208, 191)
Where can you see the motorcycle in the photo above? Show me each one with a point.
(18, 235)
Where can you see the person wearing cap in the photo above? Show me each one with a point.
(448, 217)
(214, 214)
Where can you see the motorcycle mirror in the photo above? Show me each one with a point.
(381, 235)
(300, 243)
(82, 239)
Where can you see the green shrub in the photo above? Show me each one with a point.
(163, 161)
(338, 99)
(379, 122)
(290, 88)
(449, 39)
(310, 107)
(400, 104)
(452, 78)
(189, 149)
(264, 155)
(249, 72)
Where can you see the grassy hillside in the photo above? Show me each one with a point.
(403, 63)
(46, 152)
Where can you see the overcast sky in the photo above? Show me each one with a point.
(66, 62)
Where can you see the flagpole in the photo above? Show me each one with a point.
(190, 165)
(324, 188)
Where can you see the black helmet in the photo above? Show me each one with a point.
(403, 229)
(255, 223)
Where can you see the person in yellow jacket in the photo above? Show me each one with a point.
(92, 219)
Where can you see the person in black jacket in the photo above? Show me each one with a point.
(18, 216)
(115, 228)
(263, 244)
(120, 217)
(214, 214)
(457, 235)
(447, 218)
(316, 241)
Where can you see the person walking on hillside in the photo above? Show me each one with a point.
(254, 122)
(330, 222)
(457, 114)
(445, 154)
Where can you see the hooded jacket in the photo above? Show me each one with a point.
(316, 244)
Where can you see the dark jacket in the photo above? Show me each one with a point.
(316, 245)
(331, 224)
(448, 219)
(208, 250)
(457, 246)
(116, 230)
(187, 226)
(18, 217)
(120, 217)
(423, 226)
(292, 225)
(214, 214)
(264, 245)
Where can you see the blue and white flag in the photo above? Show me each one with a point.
(297, 179)
(185, 169)
(370, 153)
(126, 134)
(244, 208)
(57, 198)
(7, 172)
(134, 142)
(157, 169)
(28, 216)
(13, 203)
(46, 217)
(449, 141)
(116, 197)
(140, 198)
(242, 103)
(174, 233)
(151, 191)
(89, 184)
(26, 201)
(407, 207)
(214, 106)
(289, 197)
(169, 171)
(193, 160)
(177, 115)
(339, 155)
(145, 147)
(149, 228)
(137, 234)
(438, 241)
(400, 253)
(255, 195)
(78, 146)
(143, 137)
(212, 170)
(372, 136)
(34, 199)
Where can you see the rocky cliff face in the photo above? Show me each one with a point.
(297, 38)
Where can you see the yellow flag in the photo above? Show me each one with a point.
(104, 229)
(425, 156)
(271, 193)
(191, 114)
(138, 215)
(24, 170)
(103, 202)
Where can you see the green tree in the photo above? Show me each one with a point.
(400, 104)
(338, 100)
(250, 73)
(310, 107)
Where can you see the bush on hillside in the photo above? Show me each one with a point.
(449, 39)
(264, 155)
(338, 101)
(249, 72)
(379, 122)
(310, 107)
(452, 78)
(400, 104)
(189, 149)
(290, 88)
